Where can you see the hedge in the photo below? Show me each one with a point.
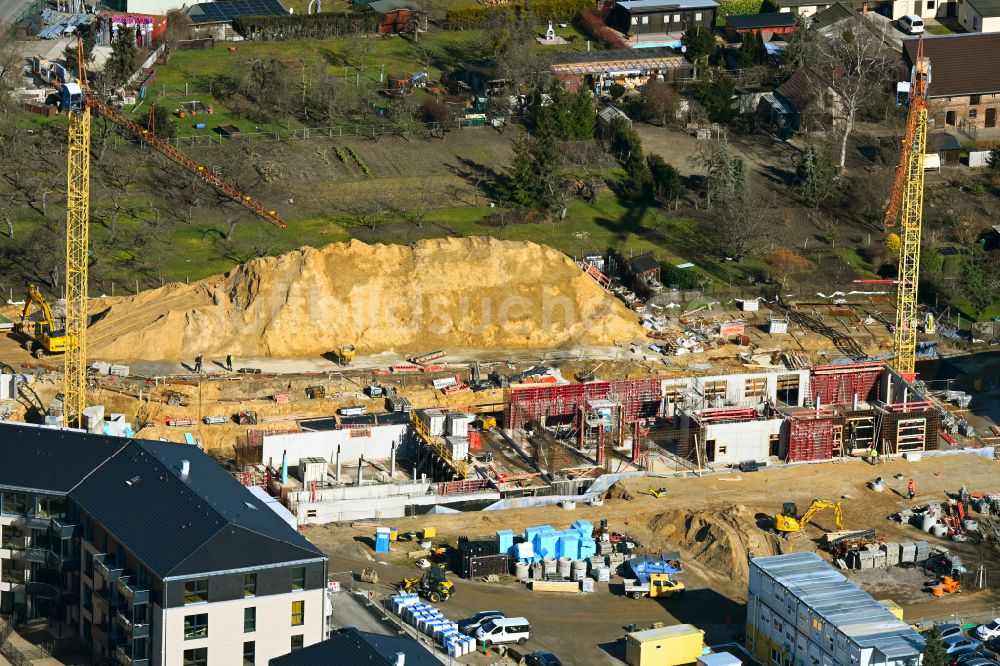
(739, 7)
(305, 26)
(543, 10)
(595, 27)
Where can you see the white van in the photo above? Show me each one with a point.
(504, 630)
(911, 24)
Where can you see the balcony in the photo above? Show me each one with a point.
(107, 567)
(132, 629)
(42, 590)
(52, 559)
(107, 598)
(100, 631)
(124, 657)
(133, 592)
(38, 522)
(63, 530)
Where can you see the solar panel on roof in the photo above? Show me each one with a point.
(227, 10)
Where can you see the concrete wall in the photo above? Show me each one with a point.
(374, 446)
(736, 387)
(344, 503)
(736, 442)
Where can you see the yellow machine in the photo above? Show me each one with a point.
(487, 422)
(433, 585)
(42, 337)
(658, 493)
(789, 521)
(659, 585)
(344, 354)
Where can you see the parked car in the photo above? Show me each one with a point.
(542, 659)
(979, 661)
(470, 625)
(955, 643)
(504, 630)
(911, 24)
(949, 630)
(988, 631)
(956, 658)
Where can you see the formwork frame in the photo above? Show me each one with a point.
(810, 436)
(639, 398)
(842, 384)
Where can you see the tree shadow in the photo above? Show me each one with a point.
(484, 178)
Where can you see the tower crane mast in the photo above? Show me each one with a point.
(80, 104)
(906, 208)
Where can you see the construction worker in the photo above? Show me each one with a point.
(911, 489)
(197, 362)
(229, 362)
(873, 455)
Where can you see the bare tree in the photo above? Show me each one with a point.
(746, 226)
(855, 62)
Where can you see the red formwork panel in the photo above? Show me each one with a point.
(839, 384)
(810, 439)
(533, 403)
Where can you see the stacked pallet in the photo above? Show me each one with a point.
(430, 621)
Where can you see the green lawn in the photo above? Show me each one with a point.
(938, 29)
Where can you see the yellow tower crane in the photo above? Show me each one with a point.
(77, 100)
(906, 207)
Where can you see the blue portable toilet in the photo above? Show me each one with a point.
(382, 538)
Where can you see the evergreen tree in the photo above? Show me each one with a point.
(699, 43)
(934, 651)
(993, 160)
(752, 51)
(738, 179)
(584, 115)
(70, 54)
(121, 65)
(666, 179)
(717, 91)
(816, 175)
(163, 123)
(533, 178)
(638, 184)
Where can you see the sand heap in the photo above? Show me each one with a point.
(718, 541)
(472, 293)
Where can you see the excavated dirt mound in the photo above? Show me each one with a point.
(618, 491)
(719, 542)
(471, 293)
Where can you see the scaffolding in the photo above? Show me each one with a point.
(640, 399)
(844, 384)
(439, 447)
(811, 436)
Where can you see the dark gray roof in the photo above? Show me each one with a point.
(963, 64)
(49, 460)
(358, 648)
(830, 15)
(643, 263)
(986, 8)
(766, 20)
(178, 526)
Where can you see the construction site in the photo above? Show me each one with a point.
(539, 423)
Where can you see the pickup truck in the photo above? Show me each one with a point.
(659, 585)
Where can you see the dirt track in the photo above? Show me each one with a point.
(713, 521)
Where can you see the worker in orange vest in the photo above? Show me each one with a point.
(911, 489)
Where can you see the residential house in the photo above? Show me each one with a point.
(214, 19)
(599, 69)
(645, 267)
(660, 22)
(767, 25)
(892, 9)
(804, 102)
(979, 15)
(399, 17)
(350, 646)
(964, 90)
(150, 552)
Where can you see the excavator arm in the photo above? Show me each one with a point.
(821, 505)
(35, 296)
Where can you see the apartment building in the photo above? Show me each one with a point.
(151, 552)
(800, 610)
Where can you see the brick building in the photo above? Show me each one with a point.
(965, 84)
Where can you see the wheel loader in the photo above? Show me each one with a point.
(433, 585)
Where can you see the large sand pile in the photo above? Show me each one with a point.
(474, 293)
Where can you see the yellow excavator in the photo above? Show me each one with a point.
(789, 521)
(42, 337)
